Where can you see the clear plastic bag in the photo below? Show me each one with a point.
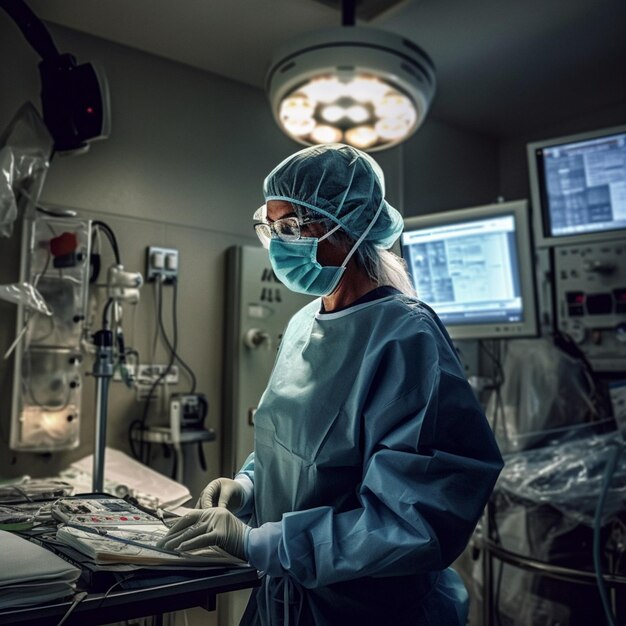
(544, 389)
(25, 149)
(568, 475)
(26, 294)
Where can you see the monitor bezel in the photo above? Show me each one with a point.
(519, 209)
(542, 237)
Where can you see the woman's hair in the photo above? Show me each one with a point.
(382, 266)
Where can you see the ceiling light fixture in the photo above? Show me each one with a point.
(363, 86)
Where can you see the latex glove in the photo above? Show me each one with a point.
(223, 492)
(205, 528)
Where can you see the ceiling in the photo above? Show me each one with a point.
(504, 67)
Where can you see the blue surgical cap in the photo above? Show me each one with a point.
(343, 184)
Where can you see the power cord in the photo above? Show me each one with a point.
(171, 348)
(112, 587)
(141, 423)
(498, 381)
(611, 465)
(78, 598)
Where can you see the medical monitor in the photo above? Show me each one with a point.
(578, 187)
(474, 268)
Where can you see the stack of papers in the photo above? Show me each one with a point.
(137, 546)
(31, 574)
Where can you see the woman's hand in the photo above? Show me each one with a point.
(206, 528)
(222, 492)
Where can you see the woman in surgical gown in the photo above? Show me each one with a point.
(372, 459)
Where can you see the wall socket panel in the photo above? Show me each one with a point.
(161, 262)
(146, 375)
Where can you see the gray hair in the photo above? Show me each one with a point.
(382, 266)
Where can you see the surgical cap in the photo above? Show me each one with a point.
(341, 183)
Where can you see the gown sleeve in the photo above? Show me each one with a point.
(430, 462)
(246, 477)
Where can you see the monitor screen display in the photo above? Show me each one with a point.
(580, 186)
(473, 268)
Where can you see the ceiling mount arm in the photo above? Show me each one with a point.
(32, 28)
(74, 98)
(348, 12)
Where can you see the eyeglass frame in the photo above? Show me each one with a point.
(260, 226)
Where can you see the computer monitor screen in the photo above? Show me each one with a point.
(473, 267)
(578, 185)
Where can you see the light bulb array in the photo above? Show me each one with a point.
(364, 111)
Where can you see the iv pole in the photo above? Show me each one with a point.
(103, 372)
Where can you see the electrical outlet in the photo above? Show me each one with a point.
(145, 375)
(148, 374)
(161, 262)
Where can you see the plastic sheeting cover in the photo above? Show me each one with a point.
(26, 294)
(25, 149)
(568, 475)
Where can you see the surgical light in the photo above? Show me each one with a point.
(326, 134)
(374, 88)
(362, 137)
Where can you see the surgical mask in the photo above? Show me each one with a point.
(296, 266)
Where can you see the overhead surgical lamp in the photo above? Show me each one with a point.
(361, 86)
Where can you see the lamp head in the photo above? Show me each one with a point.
(361, 86)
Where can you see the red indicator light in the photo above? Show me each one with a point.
(580, 299)
(90, 110)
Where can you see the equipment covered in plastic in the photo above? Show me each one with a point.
(568, 475)
(544, 389)
(47, 388)
(25, 149)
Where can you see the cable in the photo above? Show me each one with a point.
(108, 231)
(493, 526)
(155, 339)
(498, 381)
(141, 424)
(105, 313)
(110, 589)
(78, 598)
(609, 470)
(167, 341)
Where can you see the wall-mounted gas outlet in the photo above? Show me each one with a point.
(161, 262)
(147, 374)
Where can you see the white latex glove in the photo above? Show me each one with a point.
(205, 528)
(222, 492)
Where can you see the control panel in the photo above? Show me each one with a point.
(100, 512)
(590, 286)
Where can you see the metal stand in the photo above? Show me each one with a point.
(165, 435)
(103, 372)
(491, 550)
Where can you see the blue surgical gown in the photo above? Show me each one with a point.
(372, 464)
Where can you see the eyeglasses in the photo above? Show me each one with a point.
(286, 228)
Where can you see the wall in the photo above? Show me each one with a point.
(183, 168)
(513, 164)
(446, 167)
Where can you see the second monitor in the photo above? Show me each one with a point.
(474, 268)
